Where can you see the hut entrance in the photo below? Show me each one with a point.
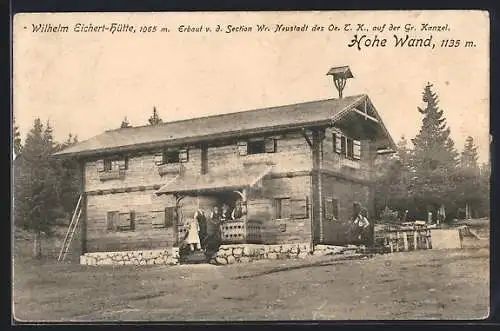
(217, 200)
(203, 221)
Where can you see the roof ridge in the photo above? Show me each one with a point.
(235, 112)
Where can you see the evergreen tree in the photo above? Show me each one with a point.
(36, 201)
(392, 180)
(434, 158)
(155, 118)
(17, 144)
(470, 182)
(69, 178)
(125, 123)
(485, 188)
(403, 152)
(468, 159)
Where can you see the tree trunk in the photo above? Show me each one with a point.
(37, 246)
(467, 211)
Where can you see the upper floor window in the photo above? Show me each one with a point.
(257, 146)
(111, 164)
(169, 156)
(346, 146)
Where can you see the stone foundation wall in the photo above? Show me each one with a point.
(168, 256)
(227, 254)
(243, 253)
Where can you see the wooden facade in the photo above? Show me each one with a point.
(314, 174)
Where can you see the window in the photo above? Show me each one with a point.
(282, 208)
(111, 220)
(170, 157)
(256, 147)
(345, 146)
(108, 165)
(126, 221)
(331, 209)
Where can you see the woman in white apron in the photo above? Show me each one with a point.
(193, 238)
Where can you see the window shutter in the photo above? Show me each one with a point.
(111, 220)
(169, 216)
(121, 164)
(299, 208)
(158, 158)
(286, 208)
(132, 220)
(270, 145)
(335, 208)
(100, 165)
(124, 221)
(338, 143)
(183, 155)
(328, 203)
(242, 148)
(158, 219)
(343, 145)
(357, 149)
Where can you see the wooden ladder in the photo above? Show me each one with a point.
(71, 230)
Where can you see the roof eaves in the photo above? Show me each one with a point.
(193, 139)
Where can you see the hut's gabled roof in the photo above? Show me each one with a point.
(193, 130)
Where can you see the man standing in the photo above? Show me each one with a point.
(359, 224)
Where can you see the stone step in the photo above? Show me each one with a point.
(194, 257)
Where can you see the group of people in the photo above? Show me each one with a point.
(205, 232)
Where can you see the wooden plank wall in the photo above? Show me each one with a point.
(346, 192)
(332, 160)
(289, 230)
(292, 155)
(146, 206)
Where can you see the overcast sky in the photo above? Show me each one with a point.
(85, 83)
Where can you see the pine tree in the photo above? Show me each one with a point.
(17, 143)
(155, 118)
(69, 178)
(470, 181)
(469, 157)
(36, 203)
(125, 123)
(434, 157)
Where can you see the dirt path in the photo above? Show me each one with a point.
(413, 285)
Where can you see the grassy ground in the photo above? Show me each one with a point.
(414, 285)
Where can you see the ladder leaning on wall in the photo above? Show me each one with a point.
(71, 230)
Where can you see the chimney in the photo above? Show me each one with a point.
(340, 76)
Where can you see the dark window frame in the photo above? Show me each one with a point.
(256, 147)
(170, 156)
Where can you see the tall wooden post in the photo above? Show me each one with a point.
(318, 134)
(372, 154)
(83, 207)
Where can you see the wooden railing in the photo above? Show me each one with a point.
(405, 239)
(232, 232)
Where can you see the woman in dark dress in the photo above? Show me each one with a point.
(213, 231)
